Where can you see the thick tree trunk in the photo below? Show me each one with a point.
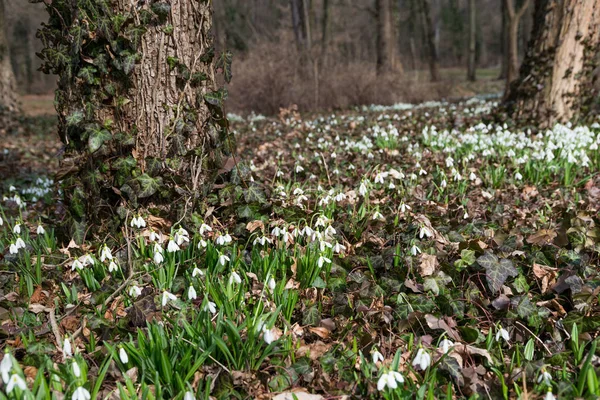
(512, 45)
(504, 42)
(471, 71)
(8, 97)
(556, 80)
(434, 68)
(385, 43)
(138, 110)
(298, 23)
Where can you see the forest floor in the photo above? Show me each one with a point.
(407, 251)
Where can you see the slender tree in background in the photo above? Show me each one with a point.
(557, 75)
(8, 96)
(471, 70)
(385, 40)
(513, 17)
(429, 34)
(139, 113)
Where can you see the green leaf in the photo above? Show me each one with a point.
(97, 138)
(75, 118)
(254, 194)
(451, 366)
(162, 10)
(216, 98)
(497, 270)
(431, 285)
(311, 316)
(128, 62)
(147, 185)
(523, 306)
(224, 63)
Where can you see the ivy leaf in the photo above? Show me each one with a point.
(431, 285)
(523, 306)
(451, 366)
(75, 118)
(254, 194)
(311, 316)
(162, 10)
(224, 63)
(128, 62)
(497, 270)
(97, 138)
(216, 98)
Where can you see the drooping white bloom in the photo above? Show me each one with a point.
(135, 291)
(13, 249)
(189, 396)
(112, 267)
(17, 229)
(11, 188)
(105, 254)
(389, 379)
(211, 307)
(377, 356)
(223, 259)
(443, 184)
(299, 168)
(5, 367)
(271, 284)
(446, 345)
(197, 272)
(338, 248)
(40, 230)
(154, 236)
(544, 376)
(362, 190)
(67, 349)
(192, 295)
(261, 240)
(466, 215)
(377, 215)
(167, 296)
(472, 176)
(76, 265)
(81, 393)
(502, 333)
(1, 221)
(223, 239)
(138, 222)
(202, 244)
(425, 231)
(518, 176)
(87, 260)
(204, 228)
(422, 359)
(414, 250)
(235, 278)
(20, 243)
(322, 260)
(173, 246)
(76, 369)
(404, 207)
(123, 356)
(158, 258)
(549, 395)
(181, 236)
(276, 231)
(268, 335)
(15, 381)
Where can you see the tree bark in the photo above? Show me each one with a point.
(504, 42)
(512, 52)
(471, 71)
(430, 41)
(298, 23)
(8, 97)
(138, 109)
(385, 41)
(557, 74)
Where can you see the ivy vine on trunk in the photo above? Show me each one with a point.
(139, 111)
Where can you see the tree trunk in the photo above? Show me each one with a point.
(471, 71)
(138, 109)
(8, 97)
(512, 54)
(385, 43)
(556, 81)
(325, 32)
(298, 23)
(430, 41)
(504, 42)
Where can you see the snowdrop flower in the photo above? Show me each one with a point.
(76, 369)
(202, 244)
(40, 230)
(189, 396)
(377, 356)
(17, 229)
(172, 247)
(158, 258)
(135, 291)
(192, 295)
(389, 379)
(443, 184)
(166, 297)
(544, 376)
(224, 239)
(380, 177)
(105, 254)
(446, 345)
(377, 215)
(338, 248)
(472, 176)
(235, 278)
(223, 259)
(13, 249)
(518, 176)
(362, 190)
(210, 307)
(112, 267)
(204, 228)
(11, 188)
(299, 168)
(67, 349)
(197, 272)
(123, 356)
(322, 260)
(76, 265)
(6, 366)
(268, 335)
(502, 333)
(549, 395)
(404, 207)
(15, 381)
(276, 231)
(414, 250)
(466, 215)
(422, 359)
(181, 236)
(87, 260)
(271, 284)
(422, 172)
(138, 222)
(1, 221)
(261, 240)
(81, 393)
(425, 231)
(154, 236)
(20, 243)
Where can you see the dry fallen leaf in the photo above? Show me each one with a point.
(253, 225)
(542, 237)
(428, 264)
